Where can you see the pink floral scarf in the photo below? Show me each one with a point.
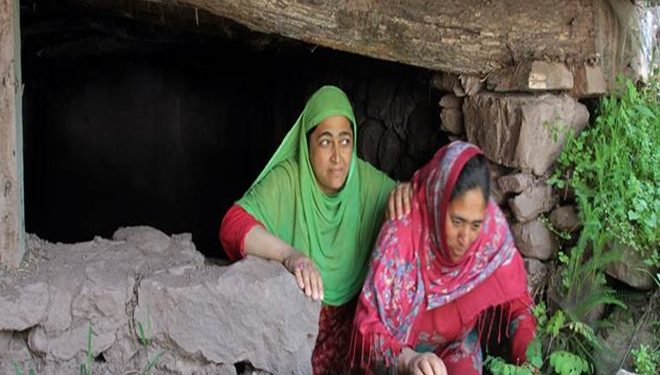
(410, 267)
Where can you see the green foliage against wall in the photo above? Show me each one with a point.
(614, 169)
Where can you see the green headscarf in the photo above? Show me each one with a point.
(336, 231)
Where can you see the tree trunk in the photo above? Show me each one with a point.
(459, 36)
(11, 181)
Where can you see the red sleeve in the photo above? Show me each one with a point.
(522, 327)
(233, 229)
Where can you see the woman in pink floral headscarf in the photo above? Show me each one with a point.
(444, 278)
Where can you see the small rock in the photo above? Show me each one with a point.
(451, 101)
(495, 170)
(423, 136)
(447, 82)
(497, 194)
(532, 202)
(401, 109)
(537, 273)
(390, 150)
(145, 238)
(452, 121)
(515, 183)
(630, 269)
(521, 130)
(534, 240)
(173, 364)
(565, 218)
(546, 124)
(453, 138)
(534, 266)
(13, 347)
(24, 307)
(532, 76)
(589, 82)
(369, 134)
(471, 84)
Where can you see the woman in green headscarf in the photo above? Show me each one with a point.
(316, 208)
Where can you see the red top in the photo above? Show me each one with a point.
(234, 227)
(435, 329)
(416, 295)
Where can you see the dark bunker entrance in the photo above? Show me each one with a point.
(133, 118)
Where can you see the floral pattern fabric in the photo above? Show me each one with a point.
(411, 276)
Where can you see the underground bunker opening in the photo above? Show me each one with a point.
(135, 121)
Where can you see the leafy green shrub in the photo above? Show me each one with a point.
(567, 347)
(647, 360)
(568, 363)
(614, 169)
(498, 366)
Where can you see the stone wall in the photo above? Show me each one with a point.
(398, 126)
(520, 117)
(196, 318)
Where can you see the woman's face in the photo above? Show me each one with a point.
(330, 152)
(465, 216)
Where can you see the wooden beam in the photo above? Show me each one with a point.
(459, 36)
(12, 227)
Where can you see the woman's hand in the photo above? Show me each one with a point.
(262, 243)
(399, 201)
(426, 364)
(307, 275)
(414, 363)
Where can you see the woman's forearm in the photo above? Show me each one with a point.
(260, 242)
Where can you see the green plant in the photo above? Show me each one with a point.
(556, 128)
(571, 328)
(19, 370)
(564, 235)
(614, 169)
(86, 368)
(497, 366)
(566, 363)
(568, 346)
(583, 283)
(568, 340)
(144, 337)
(647, 360)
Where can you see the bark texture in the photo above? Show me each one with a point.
(458, 36)
(11, 222)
